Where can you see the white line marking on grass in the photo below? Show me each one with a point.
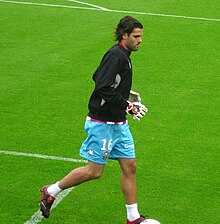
(42, 156)
(116, 11)
(167, 15)
(86, 3)
(37, 217)
(50, 5)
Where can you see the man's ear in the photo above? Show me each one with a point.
(125, 36)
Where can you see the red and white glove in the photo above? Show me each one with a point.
(134, 97)
(136, 110)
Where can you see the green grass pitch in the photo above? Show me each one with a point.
(48, 56)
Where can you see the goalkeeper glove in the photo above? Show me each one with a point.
(134, 96)
(136, 110)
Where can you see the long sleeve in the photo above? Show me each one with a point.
(113, 79)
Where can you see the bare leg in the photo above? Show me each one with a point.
(128, 180)
(81, 174)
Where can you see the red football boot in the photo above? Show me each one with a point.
(137, 221)
(46, 201)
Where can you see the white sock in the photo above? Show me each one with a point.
(54, 189)
(132, 212)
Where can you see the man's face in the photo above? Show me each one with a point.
(133, 40)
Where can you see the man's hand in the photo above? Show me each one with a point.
(136, 110)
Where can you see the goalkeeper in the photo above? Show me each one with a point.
(109, 136)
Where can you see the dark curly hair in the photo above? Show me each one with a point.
(126, 25)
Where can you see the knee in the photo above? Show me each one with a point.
(130, 169)
(94, 174)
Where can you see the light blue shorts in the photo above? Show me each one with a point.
(107, 141)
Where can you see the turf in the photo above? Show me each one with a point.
(48, 56)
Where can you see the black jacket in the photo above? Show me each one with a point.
(113, 80)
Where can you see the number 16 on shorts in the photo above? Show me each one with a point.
(106, 144)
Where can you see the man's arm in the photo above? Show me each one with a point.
(107, 79)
